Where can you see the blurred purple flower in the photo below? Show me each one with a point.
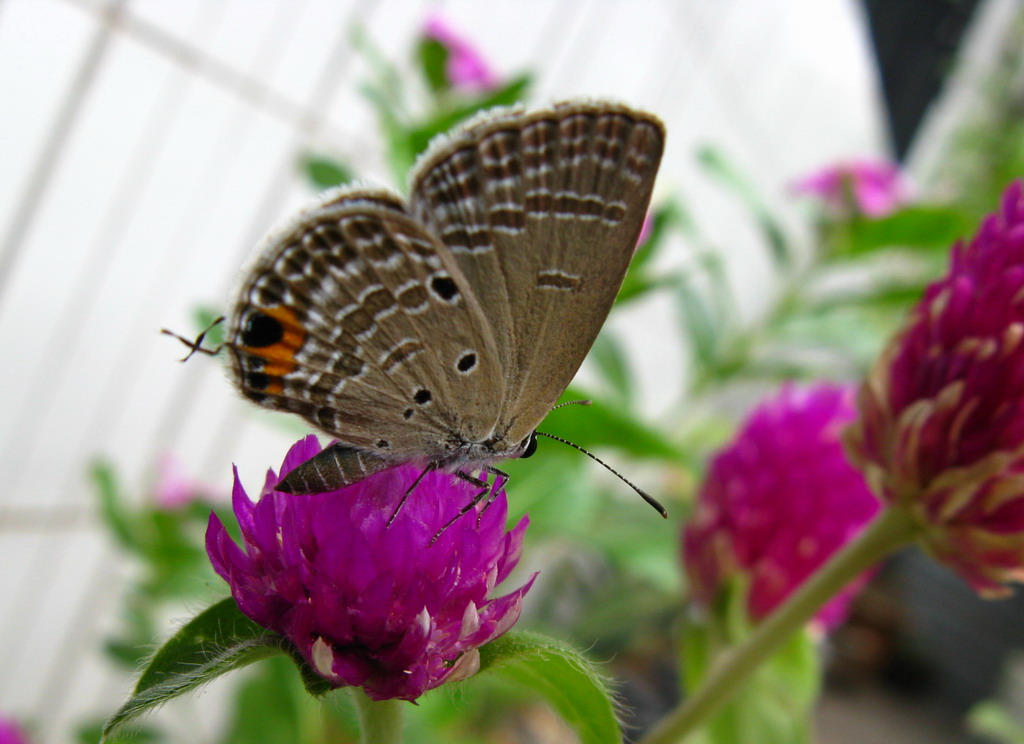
(778, 502)
(466, 68)
(365, 603)
(175, 489)
(941, 429)
(11, 732)
(870, 187)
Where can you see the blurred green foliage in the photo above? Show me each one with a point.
(995, 723)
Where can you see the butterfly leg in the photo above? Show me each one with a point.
(494, 489)
(484, 487)
(431, 467)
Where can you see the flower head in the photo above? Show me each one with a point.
(466, 68)
(778, 502)
(872, 188)
(941, 430)
(364, 602)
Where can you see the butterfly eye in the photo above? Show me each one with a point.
(529, 445)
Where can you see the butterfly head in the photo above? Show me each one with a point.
(461, 453)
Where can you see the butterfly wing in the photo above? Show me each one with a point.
(356, 318)
(541, 211)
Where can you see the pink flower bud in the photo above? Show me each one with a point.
(942, 413)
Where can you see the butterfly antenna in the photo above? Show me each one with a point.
(197, 345)
(643, 494)
(572, 403)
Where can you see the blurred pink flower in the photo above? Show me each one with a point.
(466, 68)
(175, 489)
(941, 428)
(778, 501)
(11, 732)
(870, 187)
(645, 229)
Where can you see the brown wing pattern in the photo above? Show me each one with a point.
(355, 318)
(541, 212)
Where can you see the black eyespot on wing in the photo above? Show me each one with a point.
(408, 413)
(422, 396)
(261, 330)
(383, 444)
(258, 380)
(444, 287)
(466, 362)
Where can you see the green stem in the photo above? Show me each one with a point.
(380, 721)
(893, 529)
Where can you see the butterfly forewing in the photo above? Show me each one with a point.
(358, 320)
(541, 212)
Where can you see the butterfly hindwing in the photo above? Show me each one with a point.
(542, 211)
(355, 318)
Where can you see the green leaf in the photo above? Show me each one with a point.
(700, 324)
(887, 296)
(128, 654)
(433, 58)
(993, 721)
(387, 86)
(218, 640)
(696, 651)
(514, 91)
(715, 163)
(92, 732)
(563, 676)
(638, 284)
(641, 547)
(323, 172)
(603, 425)
(663, 218)
(774, 706)
(638, 280)
(614, 369)
(174, 549)
(920, 227)
(113, 508)
(400, 154)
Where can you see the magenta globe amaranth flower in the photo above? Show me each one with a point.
(778, 502)
(366, 603)
(941, 431)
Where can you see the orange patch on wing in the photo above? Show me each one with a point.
(279, 358)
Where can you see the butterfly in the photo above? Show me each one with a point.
(441, 330)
